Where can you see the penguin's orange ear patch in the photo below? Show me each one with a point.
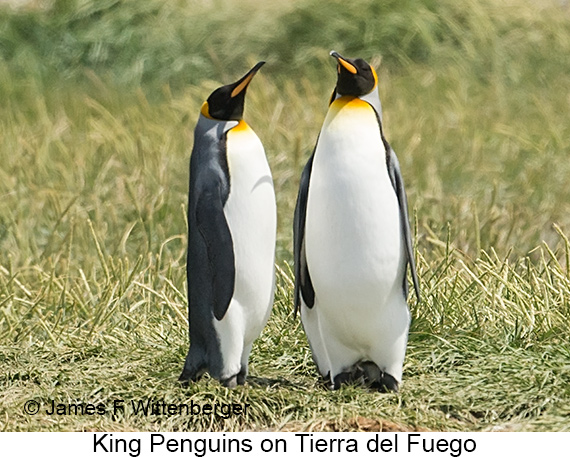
(205, 110)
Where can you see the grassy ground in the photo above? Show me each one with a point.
(98, 103)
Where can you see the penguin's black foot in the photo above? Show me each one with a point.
(183, 379)
(369, 371)
(190, 375)
(377, 379)
(342, 378)
(230, 383)
(325, 381)
(387, 383)
(241, 376)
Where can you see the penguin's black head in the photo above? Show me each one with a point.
(226, 102)
(355, 76)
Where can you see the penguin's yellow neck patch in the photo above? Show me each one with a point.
(241, 127)
(375, 77)
(349, 102)
(349, 109)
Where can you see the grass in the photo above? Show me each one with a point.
(99, 100)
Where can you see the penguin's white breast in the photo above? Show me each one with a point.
(353, 231)
(251, 215)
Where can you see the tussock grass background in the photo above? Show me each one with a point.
(97, 105)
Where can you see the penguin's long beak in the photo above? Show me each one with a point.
(345, 63)
(242, 84)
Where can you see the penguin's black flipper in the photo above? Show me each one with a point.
(303, 284)
(213, 227)
(398, 183)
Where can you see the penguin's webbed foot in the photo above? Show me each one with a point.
(190, 375)
(387, 383)
(230, 382)
(342, 378)
(324, 381)
(375, 378)
(235, 380)
(242, 375)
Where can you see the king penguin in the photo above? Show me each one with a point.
(231, 238)
(352, 240)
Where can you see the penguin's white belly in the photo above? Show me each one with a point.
(250, 212)
(353, 235)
